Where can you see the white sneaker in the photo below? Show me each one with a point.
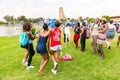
(29, 67)
(26, 63)
(54, 71)
(55, 65)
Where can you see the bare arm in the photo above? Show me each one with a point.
(105, 28)
(48, 42)
(47, 33)
(74, 29)
(30, 35)
(82, 30)
(37, 34)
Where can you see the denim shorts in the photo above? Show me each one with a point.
(55, 48)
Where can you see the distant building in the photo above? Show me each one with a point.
(115, 18)
(61, 13)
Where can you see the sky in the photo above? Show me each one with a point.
(50, 8)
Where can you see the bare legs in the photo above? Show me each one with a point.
(108, 43)
(45, 59)
(55, 58)
(25, 56)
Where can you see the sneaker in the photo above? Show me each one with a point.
(81, 50)
(26, 63)
(29, 67)
(109, 47)
(54, 71)
(23, 61)
(55, 65)
(101, 57)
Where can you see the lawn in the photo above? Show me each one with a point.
(84, 66)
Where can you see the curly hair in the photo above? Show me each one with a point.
(26, 26)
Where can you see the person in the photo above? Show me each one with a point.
(83, 37)
(110, 34)
(67, 33)
(117, 26)
(102, 37)
(118, 41)
(94, 35)
(27, 28)
(77, 31)
(64, 33)
(41, 47)
(55, 45)
(24, 61)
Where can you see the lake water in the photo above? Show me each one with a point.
(10, 31)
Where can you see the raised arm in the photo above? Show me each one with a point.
(47, 33)
(30, 35)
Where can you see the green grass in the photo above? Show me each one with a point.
(84, 66)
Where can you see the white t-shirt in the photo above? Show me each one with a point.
(95, 29)
(67, 30)
(111, 26)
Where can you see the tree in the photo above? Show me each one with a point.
(63, 20)
(72, 20)
(30, 20)
(36, 20)
(106, 17)
(80, 18)
(41, 19)
(1, 22)
(9, 19)
(22, 19)
(86, 18)
(90, 20)
(14, 21)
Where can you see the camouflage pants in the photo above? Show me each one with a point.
(94, 43)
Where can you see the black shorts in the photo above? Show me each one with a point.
(26, 46)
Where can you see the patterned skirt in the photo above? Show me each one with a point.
(101, 38)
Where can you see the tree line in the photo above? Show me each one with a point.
(88, 19)
(21, 19)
